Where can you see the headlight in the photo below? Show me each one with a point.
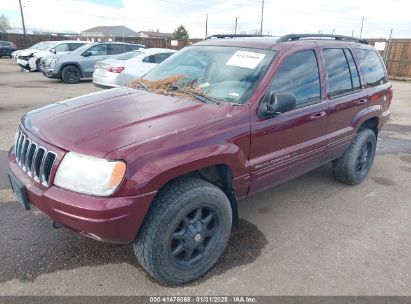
(89, 175)
(52, 62)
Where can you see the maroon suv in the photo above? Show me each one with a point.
(165, 172)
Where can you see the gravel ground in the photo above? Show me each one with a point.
(310, 236)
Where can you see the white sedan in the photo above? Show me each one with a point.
(119, 70)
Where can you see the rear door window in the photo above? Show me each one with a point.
(339, 75)
(159, 58)
(372, 67)
(98, 50)
(149, 59)
(116, 49)
(64, 47)
(130, 47)
(299, 75)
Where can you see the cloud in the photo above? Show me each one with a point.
(280, 17)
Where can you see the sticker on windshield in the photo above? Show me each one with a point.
(244, 59)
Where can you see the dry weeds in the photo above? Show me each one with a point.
(170, 86)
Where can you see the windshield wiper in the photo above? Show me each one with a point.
(202, 98)
(143, 85)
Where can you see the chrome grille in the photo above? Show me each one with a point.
(33, 159)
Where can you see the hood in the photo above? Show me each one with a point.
(99, 123)
(28, 52)
(58, 56)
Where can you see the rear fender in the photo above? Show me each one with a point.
(366, 114)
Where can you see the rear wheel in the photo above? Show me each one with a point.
(185, 231)
(71, 74)
(353, 166)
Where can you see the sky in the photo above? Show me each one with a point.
(280, 17)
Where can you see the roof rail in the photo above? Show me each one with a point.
(221, 36)
(293, 37)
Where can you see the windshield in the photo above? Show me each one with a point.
(83, 48)
(37, 45)
(127, 55)
(46, 46)
(223, 74)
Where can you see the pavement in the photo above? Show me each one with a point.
(309, 236)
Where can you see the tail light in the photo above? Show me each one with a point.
(115, 69)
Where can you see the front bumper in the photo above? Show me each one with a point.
(110, 219)
(49, 72)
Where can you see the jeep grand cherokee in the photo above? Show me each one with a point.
(163, 166)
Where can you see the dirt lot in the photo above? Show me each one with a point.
(310, 236)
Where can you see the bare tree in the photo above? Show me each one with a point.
(4, 23)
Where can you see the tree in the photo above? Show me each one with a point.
(4, 23)
(180, 32)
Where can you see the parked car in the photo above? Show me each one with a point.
(119, 70)
(6, 48)
(30, 58)
(70, 68)
(33, 47)
(24, 55)
(164, 171)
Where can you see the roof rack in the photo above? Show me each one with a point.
(293, 37)
(222, 36)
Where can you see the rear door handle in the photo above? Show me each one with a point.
(362, 101)
(318, 115)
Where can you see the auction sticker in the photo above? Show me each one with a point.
(243, 59)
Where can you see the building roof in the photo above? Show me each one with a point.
(156, 34)
(117, 31)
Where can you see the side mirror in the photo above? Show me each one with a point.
(279, 103)
(53, 51)
(86, 54)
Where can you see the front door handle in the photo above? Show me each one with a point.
(318, 115)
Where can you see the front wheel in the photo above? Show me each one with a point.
(71, 74)
(353, 166)
(185, 232)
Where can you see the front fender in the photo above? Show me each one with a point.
(153, 175)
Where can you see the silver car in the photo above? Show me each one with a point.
(70, 68)
(122, 69)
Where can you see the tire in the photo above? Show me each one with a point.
(71, 74)
(353, 166)
(174, 227)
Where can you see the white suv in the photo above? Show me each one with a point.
(29, 60)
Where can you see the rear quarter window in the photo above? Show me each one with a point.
(372, 67)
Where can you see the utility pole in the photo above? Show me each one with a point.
(387, 49)
(262, 17)
(362, 25)
(206, 33)
(236, 22)
(24, 26)
(333, 32)
(352, 33)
